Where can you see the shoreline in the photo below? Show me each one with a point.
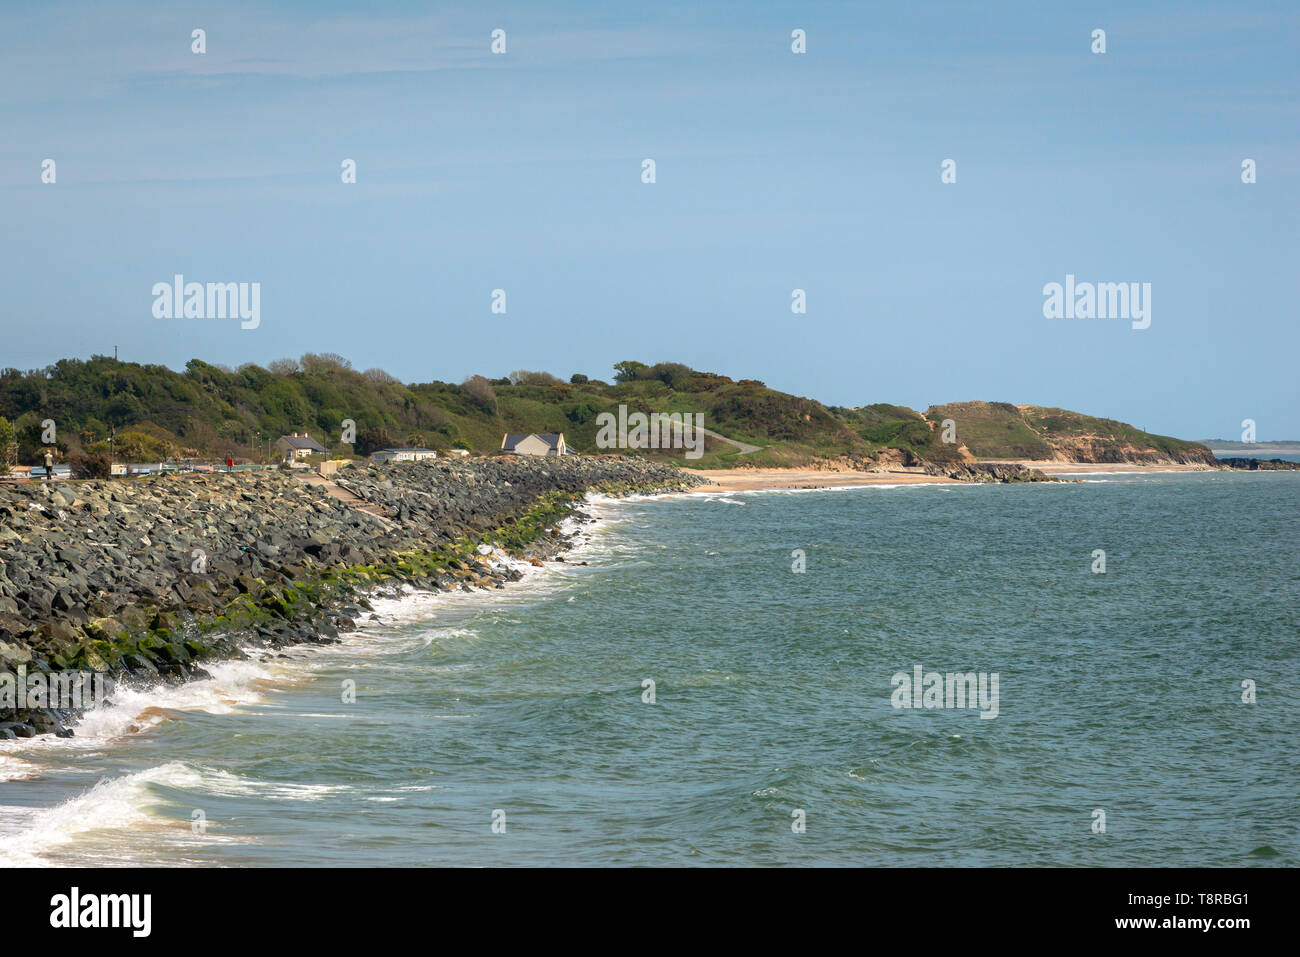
(304, 577)
(777, 479)
(138, 706)
(755, 480)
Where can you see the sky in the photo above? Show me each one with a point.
(774, 171)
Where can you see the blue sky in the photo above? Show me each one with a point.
(775, 171)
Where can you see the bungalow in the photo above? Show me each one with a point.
(299, 446)
(535, 443)
(402, 455)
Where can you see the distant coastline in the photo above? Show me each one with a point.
(749, 480)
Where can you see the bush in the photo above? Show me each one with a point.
(481, 393)
(318, 362)
(629, 371)
(90, 465)
(581, 414)
(372, 440)
(524, 377)
(672, 374)
(578, 379)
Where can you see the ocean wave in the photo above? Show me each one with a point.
(29, 835)
(233, 685)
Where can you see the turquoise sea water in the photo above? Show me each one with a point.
(1119, 691)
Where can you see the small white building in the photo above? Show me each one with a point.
(535, 443)
(403, 455)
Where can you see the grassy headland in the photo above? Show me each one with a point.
(151, 413)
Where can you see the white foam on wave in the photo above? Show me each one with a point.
(109, 817)
(414, 606)
(14, 768)
(732, 496)
(28, 835)
(132, 709)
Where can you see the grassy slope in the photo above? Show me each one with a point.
(207, 411)
(999, 430)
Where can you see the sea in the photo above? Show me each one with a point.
(1284, 456)
(730, 679)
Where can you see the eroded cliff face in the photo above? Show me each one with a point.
(1101, 451)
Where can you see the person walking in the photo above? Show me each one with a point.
(49, 466)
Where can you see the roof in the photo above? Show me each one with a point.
(302, 442)
(512, 439)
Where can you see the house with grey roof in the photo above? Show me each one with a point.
(298, 446)
(535, 443)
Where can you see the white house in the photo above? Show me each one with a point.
(402, 455)
(535, 443)
(299, 446)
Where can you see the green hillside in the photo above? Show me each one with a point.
(999, 430)
(994, 430)
(150, 412)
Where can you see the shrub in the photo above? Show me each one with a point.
(524, 377)
(481, 393)
(371, 440)
(90, 465)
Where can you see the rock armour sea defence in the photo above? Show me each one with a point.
(143, 579)
(1257, 465)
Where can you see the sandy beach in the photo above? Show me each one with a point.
(748, 480)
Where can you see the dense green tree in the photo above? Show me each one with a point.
(628, 371)
(372, 440)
